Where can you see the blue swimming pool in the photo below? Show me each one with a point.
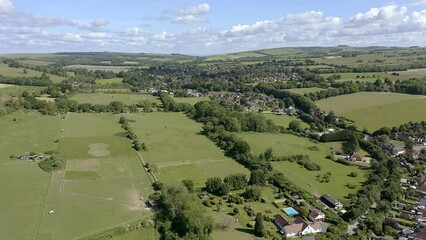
(290, 211)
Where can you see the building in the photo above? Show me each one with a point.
(316, 216)
(300, 227)
(356, 157)
(331, 202)
(280, 222)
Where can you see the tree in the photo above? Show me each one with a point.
(216, 186)
(236, 181)
(259, 228)
(25, 71)
(304, 211)
(189, 184)
(253, 193)
(257, 177)
(295, 125)
(330, 118)
(352, 145)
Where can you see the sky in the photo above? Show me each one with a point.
(206, 27)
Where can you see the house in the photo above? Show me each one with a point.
(421, 203)
(316, 216)
(331, 202)
(398, 151)
(420, 234)
(280, 222)
(153, 204)
(356, 157)
(421, 187)
(300, 227)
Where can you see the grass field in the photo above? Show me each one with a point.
(285, 144)
(375, 110)
(177, 148)
(412, 73)
(115, 69)
(302, 91)
(191, 100)
(109, 81)
(364, 77)
(5, 70)
(2, 85)
(106, 98)
(283, 120)
(23, 184)
(101, 184)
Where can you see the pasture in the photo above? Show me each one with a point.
(191, 100)
(115, 69)
(302, 91)
(106, 98)
(102, 182)
(176, 147)
(372, 110)
(363, 77)
(109, 81)
(286, 144)
(24, 184)
(2, 85)
(283, 120)
(5, 70)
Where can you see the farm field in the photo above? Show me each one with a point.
(24, 184)
(2, 85)
(285, 144)
(109, 81)
(302, 91)
(5, 70)
(178, 150)
(412, 73)
(191, 100)
(101, 184)
(364, 77)
(115, 69)
(283, 120)
(106, 98)
(374, 110)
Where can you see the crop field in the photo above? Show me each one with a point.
(364, 77)
(115, 69)
(283, 120)
(191, 100)
(106, 98)
(176, 147)
(285, 144)
(374, 110)
(102, 183)
(109, 81)
(5, 70)
(24, 184)
(302, 91)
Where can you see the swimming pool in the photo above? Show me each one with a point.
(290, 211)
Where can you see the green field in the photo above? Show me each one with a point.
(5, 70)
(106, 98)
(191, 100)
(177, 148)
(23, 184)
(115, 69)
(285, 144)
(302, 91)
(364, 77)
(102, 182)
(283, 120)
(374, 110)
(109, 81)
(2, 85)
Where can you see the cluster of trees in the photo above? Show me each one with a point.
(124, 122)
(43, 80)
(171, 105)
(50, 164)
(182, 216)
(412, 129)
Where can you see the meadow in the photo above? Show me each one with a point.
(374, 110)
(5, 70)
(191, 100)
(101, 184)
(286, 144)
(179, 151)
(109, 81)
(283, 120)
(24, 184)
(302, 91)
(115, 69)
(106, 98)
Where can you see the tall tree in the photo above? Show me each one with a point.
(259, 227)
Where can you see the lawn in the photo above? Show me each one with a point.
(302, 91)
(191, 100)
(102, 182)
(374, 110)
(177, 148)
(23, 184)
(5, 70)
(285, 144)
(106, 98)
(109, 81)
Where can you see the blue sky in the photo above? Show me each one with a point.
(206, 27)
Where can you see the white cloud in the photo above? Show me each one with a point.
(194, 10)
(417, 3)
(188, 19)
(6, 7)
